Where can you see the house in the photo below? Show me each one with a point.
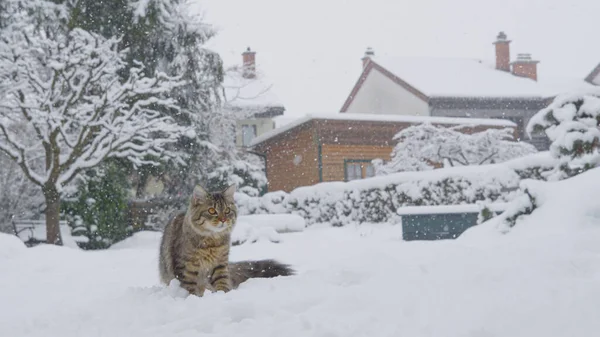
(340, 147)
(249, 94)
(457, 87)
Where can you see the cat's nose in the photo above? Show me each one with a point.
(222, 219)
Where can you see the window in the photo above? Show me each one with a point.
(248, 134)
(369, 170)
(358, 169)
(353, 171)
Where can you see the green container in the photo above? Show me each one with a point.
(437, 226)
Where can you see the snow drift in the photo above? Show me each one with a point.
(544, 208)
(351, 281)
(10, 246)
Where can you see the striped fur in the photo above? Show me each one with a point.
(195, 247)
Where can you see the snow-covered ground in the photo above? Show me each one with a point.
(540, 279)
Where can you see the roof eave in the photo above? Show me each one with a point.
(270, 112)
(502, 98)
(286, 129)
(363, 76)
(260, 140)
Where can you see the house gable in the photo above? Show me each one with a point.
(594, 76)
(380, 92)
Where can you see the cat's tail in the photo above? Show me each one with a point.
(243, 270)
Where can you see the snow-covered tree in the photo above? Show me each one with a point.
(64, 104)
(167, 36)
(243, 169)
(19, 197)
(422, 147)
(220, 162)
(572, 123)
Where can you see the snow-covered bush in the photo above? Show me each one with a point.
(523, 205)
(534, 166)
(422, 147)
(571, 122)
(377, 199)
(97, 209)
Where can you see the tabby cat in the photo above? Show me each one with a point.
(195, 247)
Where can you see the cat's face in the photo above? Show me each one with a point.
(213, 212)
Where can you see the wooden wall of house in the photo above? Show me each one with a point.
(293, 156)
(334, 156)
(292, 160)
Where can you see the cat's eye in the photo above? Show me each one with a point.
(212, 211)
(227, 210)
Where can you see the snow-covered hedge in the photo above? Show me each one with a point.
(376, 199)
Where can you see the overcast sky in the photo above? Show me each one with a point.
(312, 48)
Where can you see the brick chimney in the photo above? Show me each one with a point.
(502, 52)
(368, 54)
(525, 66)
(249, 63)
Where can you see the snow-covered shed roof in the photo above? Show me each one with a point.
(464, 77)
(251, 93)
(381, 118)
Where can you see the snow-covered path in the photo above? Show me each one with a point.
(351, 282)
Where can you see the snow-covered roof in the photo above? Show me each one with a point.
(244, 92)
(464, 77)
(452, 209)
(382, 118)
(284, 119)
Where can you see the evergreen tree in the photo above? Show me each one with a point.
(97, 210)
(572, 123)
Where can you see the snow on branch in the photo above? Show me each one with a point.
(572, 123)
(63, 101)
(422, 147)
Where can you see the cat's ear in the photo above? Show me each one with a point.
(229, 192)
(200, 195)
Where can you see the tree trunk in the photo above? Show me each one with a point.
(140, 190)
(52, 215)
